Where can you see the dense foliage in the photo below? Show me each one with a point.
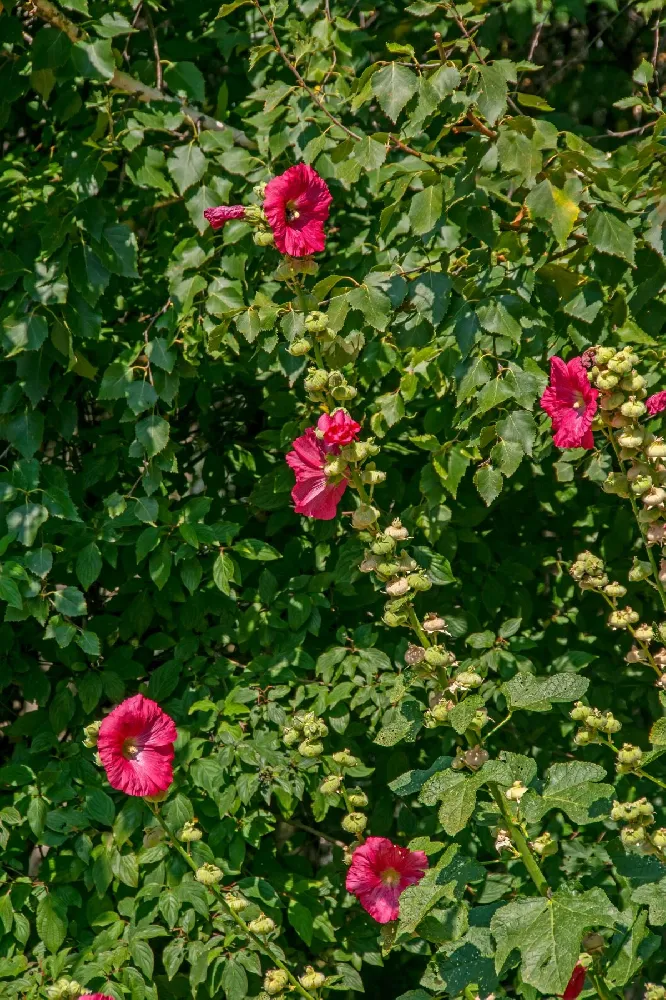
(498, 197)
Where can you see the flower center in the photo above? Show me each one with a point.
(390, 877)
(578, 401)
(130, 750)
(291, 211)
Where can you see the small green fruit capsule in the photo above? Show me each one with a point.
(262, 925)
(311, 748)
(208, 874)
(354, 822)
(438, 656)
(469, 679)
(312, 980)
(580, 712)
(275, 981)
(330, 785)
(357, 798)
(299, 347)
(316, 380)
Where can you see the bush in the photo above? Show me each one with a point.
(413, 656)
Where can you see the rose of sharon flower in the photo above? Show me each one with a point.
(135, 744)
(296, 205)
(338, 428)
(380, 871)
(575, 984)
(315, 494)
(95, 996)
(223, 213)
(656, 404)
(571, 403)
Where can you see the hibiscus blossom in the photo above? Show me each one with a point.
(95, 996)
(315, 494)
(656, 404)
(223, 213)
(380, 871)
(135, 744)
(338, 428)
(571, 403)
(296, 206)
(575, 984)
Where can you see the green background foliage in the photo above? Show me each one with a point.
(486, 214)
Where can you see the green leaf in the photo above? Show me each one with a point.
(88, 565)
(493, 90)
(575, 788)
(653, 895)
(51, 922)
(94, 60)
(370, 153)
(153, 433)
(70, 601)
(26, 521)
(555, 206)
(146, 509)
(255, 549)
(548, 934)
(301, 919)
(174, 954)
(425, 209)
(160, 354)
(234, 980)
(611, 235)
(25, 432)
(488, 482)
(25, 334)
(658, 733)
(536, 694)
(393, 86)
(186, 80)
(223, 572)
(187, 165)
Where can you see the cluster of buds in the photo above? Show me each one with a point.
(190, 832)
(588, 572)
(594, 722)
(399, 574)
(355, 798)
(629, 758)
(320, 384)
(654, 992)
(316, 328)
(63, 989)
(306, 730)
(638, 816)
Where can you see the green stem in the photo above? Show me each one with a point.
(359, 487)
(600, 985)
(238, 919)
(650, 777)
(519, 840)
(416, 625)
(498, 726)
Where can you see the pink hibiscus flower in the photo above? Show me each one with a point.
(296, 206)
(95, 996)
(575, 984)
(380, 871)
(571, 403)
(315, 494)
(338, 428)
(223, 213)
(656, 404)
(135, 744)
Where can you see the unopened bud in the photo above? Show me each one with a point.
(315, 729)
(345, 759)
(583, 737)
(580, 712)
(630, 755)
(311, 980)
(264, 238)
(606, 381)
(419, 581)
(330, 785)
(208, 874)
(469, 679)
(383, 546)
(357, 798)
(633, 409)
(659, 839)
(275, 981)
(440, 711)
(654, 992)
(615, 589)
(190, 833)
(290, 736)
(316, 321)
(364, 516)
(262, 925)
(544, 845)
(641, 484)
(516, 792)
(633, 836)
(622, 618)
(316, 380)
(354, 822)
(630, 438)
(311, 748)
(91, 734)
(299, 347)
(236, 903)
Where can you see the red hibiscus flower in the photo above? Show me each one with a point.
(571, 403)
(656, 404)
(223, 213)
(575, 984)
(315, 494)
(296, 206)
(380, 871)
(135, 744)
(338, 428)
(95, 996)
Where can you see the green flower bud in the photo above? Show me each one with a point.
(299, 347)
(91, 733)
(419, 582)
(606, 381)
(364, 516)
(393, 620)
(208, 874)
(659, 839)
(373, 477)
(583, 737)
(604, 355)
(290, 736)
(190, 833)
(615, 589)
(633, 382)
(622, 618)
(315, 729)
(544, 845)
(438, 656)
(469, 679)
(345, 759)
(580, 712)
(262, 925)
(657, 449)
(654, 992)
(236, 903)
(358, 798)
(335, 380)
(301, 719)
(630, 755)
(383, 546)
(263, 238)
(316, 321)
(354, 822)
(311, 980)
(311, 748)
(330, 785)
(440, 710)
(633, 409)
(633, 836)
(334, 465)
(343, 392)
(275, 981)
(641, 485)
(480, 719)
(316, 380)
(611, 724)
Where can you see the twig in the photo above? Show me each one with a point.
(440, 47)
(137, 14)
(123, 81)
(655, 47)
(156, 52)
(480, 127)
(535, 40)
(316, 833)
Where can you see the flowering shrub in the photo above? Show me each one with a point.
(333, 488)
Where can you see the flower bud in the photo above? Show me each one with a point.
(263, 238)
(290, 736)
(645, 810)
(316, 380)
(397, 587)
(615, 589)
(354, 822)
(393, 620)
(91, 733)
(358, 798)
(580, 712)
(659, 839)
(654, 497)
(583, 737)
(316, 321)
(433, 623)
(334, 465)
(345, 759)
(414, 655)
(657, 448)
(301, 719)
(630, 756)
(475, 757)
(335, 380)
(654, 992)
(630, 437)
(610, 724)
(330, 785)
(644, 633)
(516, 792)
(311, 748)
(383, 546)
(622, 618)
(262, 925)
(606, 381)
(438, 656)
(373, 477)
(544, 845)
(469, 679)
(480, 719)
(633, 409)
(236, 903)
(603, 355)
(190, 832)
(364, 516)
(311, 980)
(314, 729)
(299, 347)
(641, 484)
(208, 874)
(633, 836)
(419, 581)
(440, 710)
(397, 531)
(620, 365)
(275, 981)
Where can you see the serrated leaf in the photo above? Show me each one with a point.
(488, 482)
(576, 788)
(609, 234)
(88, 565)
(153, 433)
(425, 209)
(187, 165)
(393, 86)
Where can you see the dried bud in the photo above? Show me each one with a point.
(397, 587)
(397, 531)
(656, 533)
(275, 981)
(630, 438)
(369, 564)
(593, 943)
(414, 655)
(354, 822)
(654, 497)
(502, 841)
(476, 757)
(373, 477)
(641, 484)
(208, 874)
(644, 633)
(433, 623)
(657, 448)
(311, 980)
(262, 925)
(633, 408)
(190, 832)
(622, 618)
(616, 483)
(516, 792)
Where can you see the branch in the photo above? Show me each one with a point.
(128, 84)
